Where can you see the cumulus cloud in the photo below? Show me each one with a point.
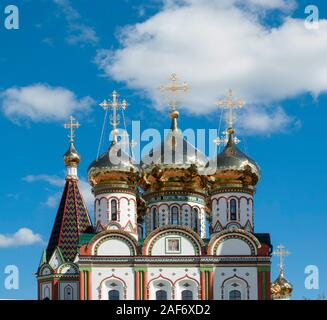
(41, 102)
(78, 32)
(217, 45)
(23, 237)
(51, 179)
(85, 189)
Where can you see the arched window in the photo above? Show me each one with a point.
(233, 209)
(154, 218)
(174, 215)
(114, 210)
(46, 294)
(161, 295)
(68, 293)
(187, 295)
(113, 295)
(235, 295)
(195, 212)
(140, 231)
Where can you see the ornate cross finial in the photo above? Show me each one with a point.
(231, 103)
(224, 140)
(115, 105)
(173, 88)
(281, 252)
(71, 126)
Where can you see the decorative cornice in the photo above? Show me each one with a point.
(153, 260)
(199, 199)
(224, 189)
(189, 193)
(102, 189)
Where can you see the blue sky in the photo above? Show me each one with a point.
(68, 56)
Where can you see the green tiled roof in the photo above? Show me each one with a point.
(85, 238)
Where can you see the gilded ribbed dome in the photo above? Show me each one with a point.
(281, 288)
(114, 166)
(174, 163)
(174, 151)
(232, 165)
(71, 157)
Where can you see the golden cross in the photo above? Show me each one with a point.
(115, 105)
(281, 252)
(231, 104)
(71, 126)
(224, 140)
(173, 87)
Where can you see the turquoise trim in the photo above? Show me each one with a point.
(85, 238)
(194, 199)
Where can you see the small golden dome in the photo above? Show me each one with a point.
(114, 166)
(281, 288)
(233, 167)
(71, 157)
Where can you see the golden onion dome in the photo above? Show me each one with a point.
(173, 162)
(174, 151)
(112, 167)
(232, 166)
(71, 157)
(281, 288)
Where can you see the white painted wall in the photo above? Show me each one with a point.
(249, 274)
(233, 247)
(220, 209)
(160, 247)
(173, 278)
(102, 277)
(113, 247)
(186, 217)
(74, 288)
(127, 211)
(46, 290)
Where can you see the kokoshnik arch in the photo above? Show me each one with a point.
(149, 238)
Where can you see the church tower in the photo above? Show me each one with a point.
(113, 178)
(232, 184)
(174, 190)
(58, 275)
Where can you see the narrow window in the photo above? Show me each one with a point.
(235, 295)
(233, 209)
(114, 210)
(68, 293)
(187, 295)
(113, 295)
(154, 218)
(161, 295)
(174, 215)
(195, 219)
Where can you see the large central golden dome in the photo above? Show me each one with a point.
(175, 163)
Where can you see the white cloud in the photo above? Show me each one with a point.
(85, 189)
(78, 32)
(216, 45)
(53, 200)
(266, 121)
(41, 102)
(51, 179)
(23, 237)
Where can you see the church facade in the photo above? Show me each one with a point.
(161, 230)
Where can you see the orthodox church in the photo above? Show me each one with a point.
(165, 229)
